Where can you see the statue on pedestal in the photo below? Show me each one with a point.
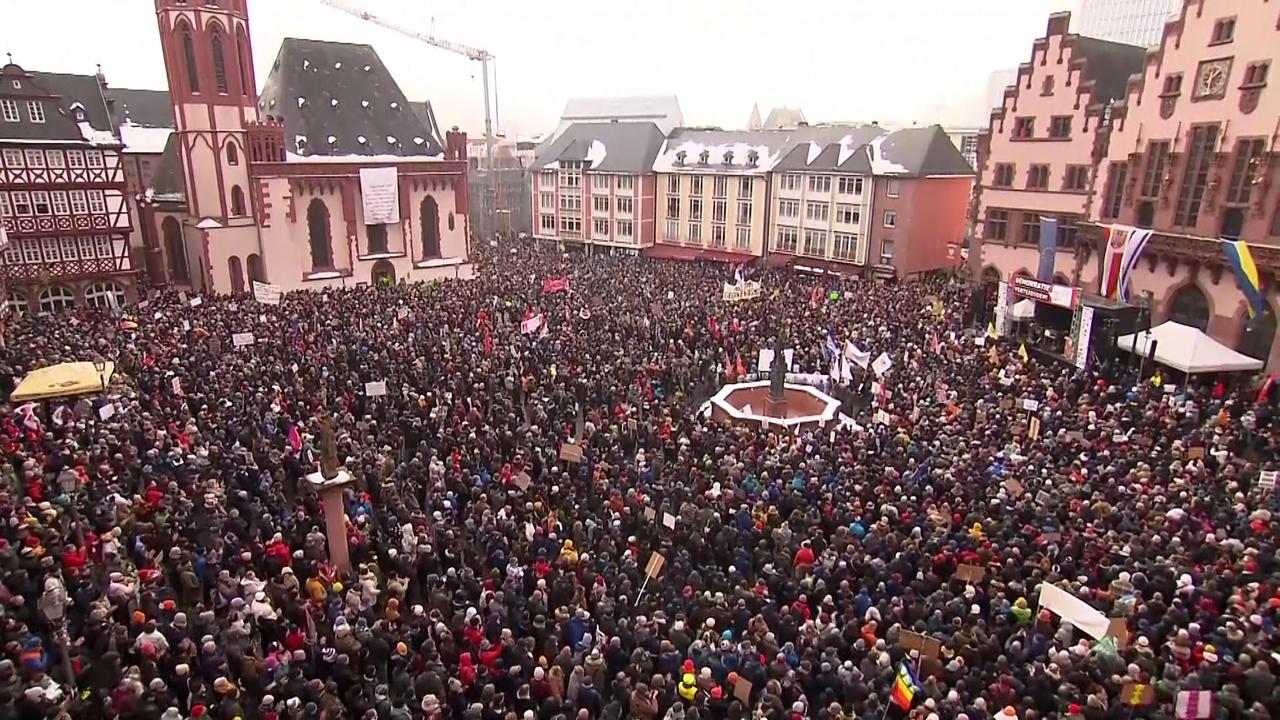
(328, 449)
(778, 372)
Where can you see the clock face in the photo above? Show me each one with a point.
(1212, 80)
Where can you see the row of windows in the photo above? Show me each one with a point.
(53, 299)
(32, 251)
(719, 235)
(22, 203)
(844, 246)
(1075, 178)
(1024, 128)
(819, 212)
(10, 110)
(719, 186)
(996, 226)
(622, 229)
(822, 184)
(605, 182)
(15, 159)
(719, 210)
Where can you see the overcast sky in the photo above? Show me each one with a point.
(897, 61)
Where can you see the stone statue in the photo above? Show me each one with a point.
(328, 449)
(778, 373)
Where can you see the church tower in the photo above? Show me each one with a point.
(209, 64)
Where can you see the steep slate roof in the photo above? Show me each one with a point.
(627, 147)
(327, 89)
(59, 93)
(841, 154)
(922, 151)
(1109, 65)
(148, 108)
(83, 89)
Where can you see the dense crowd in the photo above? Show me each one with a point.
(169, 562)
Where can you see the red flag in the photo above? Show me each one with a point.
(728, 368)
(488, 343)
(295, 439)
(715, 329)
(555, 285)
(1265, 390)
(734, 326)
(814, 296)
(742, 370)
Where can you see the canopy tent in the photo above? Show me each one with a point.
(1188, 349)
(62, 380)
(1024, 309)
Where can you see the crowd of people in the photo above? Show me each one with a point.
(169, 562)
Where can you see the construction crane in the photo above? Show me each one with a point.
(458, 48)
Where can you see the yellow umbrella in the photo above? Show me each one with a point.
(63, 380)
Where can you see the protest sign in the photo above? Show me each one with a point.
(650, 514)
(569, 452)
(266, 293)
(176, 384)
(970, 573)
(882, 364)
(1195, 453)
(748, 290)
(669, 521)
(1030, 404)
(375, 389)
(1267, 480)
(928, 647)
(106, 412)
(532, 324)
(522, 480)
(742, 691)
(196, 301)
(1014, 487)
(243, 339)
(551, 286)
(656, 561)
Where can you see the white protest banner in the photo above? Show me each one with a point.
(856, 354)
(882, 364)
(1267, 480)
(196, 301)
(748, 290)
(1030, 404)
(106, 412)
(375, 389)
(1074, 610)
(242, 339)
(669, 520)
(266, 293)
(380, 195)
(532, 324)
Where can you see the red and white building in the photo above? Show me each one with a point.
(62, 196)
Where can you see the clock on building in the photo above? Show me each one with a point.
(1211, 78)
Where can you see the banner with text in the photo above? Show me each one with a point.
(748, 290)
(266, 293)
(380, 193)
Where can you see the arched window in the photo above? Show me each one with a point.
(16, 304)
(429, 216)
(189, 58)
(233, 155)
(219, 62)
(377, 238)
(318, 230)
(174, 250)
(236, 273)
(104, 295)
(1190, 306)
(57, 298)
(242, 48)
(237, 201)
(1258, 335)
(255, 268)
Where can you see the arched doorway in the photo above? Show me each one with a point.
(429, 216)
(1190, 306)
(1258, 335)
(1146, 214)
(256, 273)
(1232, 223)
(235, 270)
(175, 252)
(384, 274)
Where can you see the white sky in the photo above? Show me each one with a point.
(896, 61)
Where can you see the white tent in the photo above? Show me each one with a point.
(1024, 309)
(1185, 348)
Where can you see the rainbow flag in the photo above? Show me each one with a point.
(904, 688)
(1241, 261)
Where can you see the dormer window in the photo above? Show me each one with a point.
(728, 157)
(752, 158)
(79, 114)
(9, 109)
(680, 156)
(17, 84)
(704, 157)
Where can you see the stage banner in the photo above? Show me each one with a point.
(1083, 334)
(1002, 310)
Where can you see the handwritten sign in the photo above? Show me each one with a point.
(1014, 487)
(570, 452)
(266, 293)
(1195, 453)
(244, 339)
(1030, 404)
(522, 481)
(650, 514)
(970, 573)
(749, 290)
(176, 384)
(380, 196)
(196, 301)
(375, 389)
(656, 561)
(1267, 480)
(106, 412)
(669, 520)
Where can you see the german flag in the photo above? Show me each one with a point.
(904, 689)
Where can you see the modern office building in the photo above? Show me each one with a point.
(1132, 22)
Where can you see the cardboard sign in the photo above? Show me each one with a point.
(375, 389)
(742, 691)
(1052, 537)
(1034, 428)
(650, 514)
(242, 339)
(1030, 404)
(1267, 479)
(570, 452)
(522, 481)
(196, 302)
(656, 561)
(106, 412)
(970, 574)
(1014, 487)
(1195, 453)
(1076, 437)
(669, 521)
(1043, 498)
(927, 647)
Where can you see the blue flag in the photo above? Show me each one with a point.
(1048, 247)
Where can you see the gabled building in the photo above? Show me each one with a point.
(594, 185)
(661, 110)
(890, 202)
(62, 195)
(330, 178)
(1042, 149)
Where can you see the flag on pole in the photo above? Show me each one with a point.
(904, 688)
(739, 275)
(830, 349)
(1241, 261)
(1194, 705)
(1022, 352)
(991, 330)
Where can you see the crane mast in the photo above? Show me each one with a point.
(482, 56)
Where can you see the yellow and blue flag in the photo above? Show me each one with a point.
(1241, 261)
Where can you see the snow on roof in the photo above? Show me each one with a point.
(418, 140)
(361, 139)
(337, 66)
(847, 148)
(367, 68)
(333, 139)
(208, 224)
(391, 139)
(333, 102)
(596, 153)
(395, 105)
(144, 140)
(814, 151)
(98, 137)
(881, 165)
(668, 162)
(306, 63)
(291, 157)
(302, 101)
(364, 103)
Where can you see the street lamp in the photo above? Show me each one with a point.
(101, 366)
